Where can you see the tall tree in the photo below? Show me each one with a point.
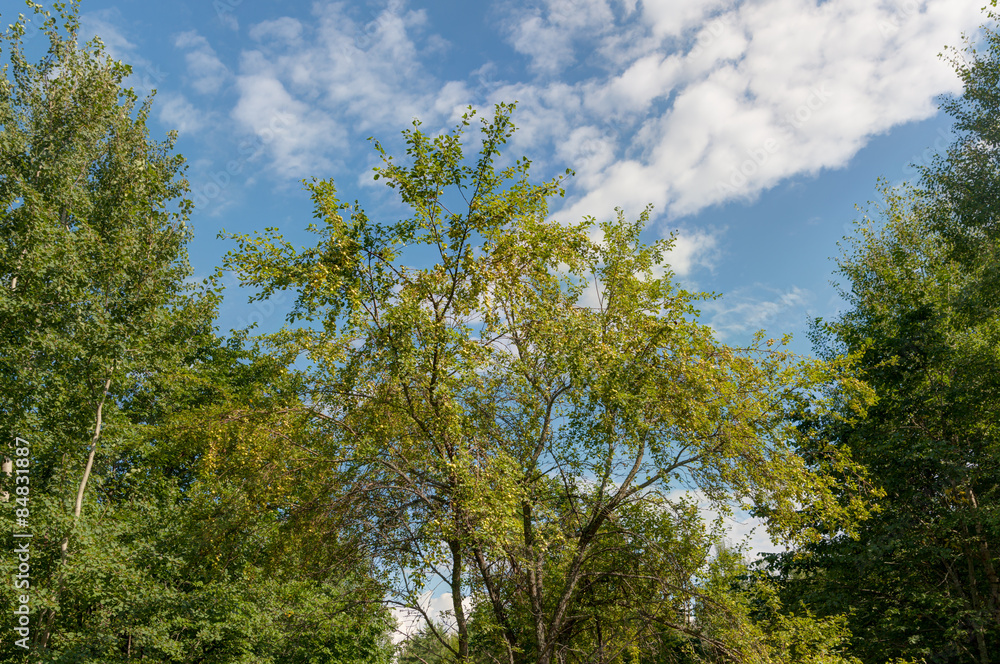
(511, 400)
(921, 284)
(109, 369)
(92, 262)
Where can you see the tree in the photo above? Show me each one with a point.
(110, 370)
(523, 388)
(921, 284)
(93, 264)
(93, 257)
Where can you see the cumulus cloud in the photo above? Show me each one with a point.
(104, 23)
(692, 249)
(751, 95)
(768, 90)
(684, 104)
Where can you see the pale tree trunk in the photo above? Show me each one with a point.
(13, 282)
(78, 505)
(49, 619)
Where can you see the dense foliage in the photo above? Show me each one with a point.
(921, 279)
(110, 371)
(519, 409)
(476, 399)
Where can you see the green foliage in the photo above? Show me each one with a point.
(921, 579)
(514, 402)
(744, 620)
(429, 646)
(109, 368)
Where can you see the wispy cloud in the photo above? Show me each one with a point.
(176, 112)
(106, 23)
(546, 31)
(284, 29)
(745, 310)
(342, 76)
(207, 72)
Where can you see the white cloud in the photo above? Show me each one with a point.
(225, 11)
(104, 23)
(685, 104)
(741, 528)
(546, 33)
(691, 249)
(590, 149)
(207, 72)
(669, 18)
(337, 77)
(437, 607)
(760, 92)
(283, 29)
(297, 136)
(176, 112)
(146, 75)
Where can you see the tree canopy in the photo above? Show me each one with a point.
(108, 358)
(920, 280)
(477, 403)
(521, 404)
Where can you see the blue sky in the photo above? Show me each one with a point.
(753, 127)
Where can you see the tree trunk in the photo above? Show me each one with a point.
(461, 624)
(78, 505)
(986, 557)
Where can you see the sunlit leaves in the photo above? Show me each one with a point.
(513, 435)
